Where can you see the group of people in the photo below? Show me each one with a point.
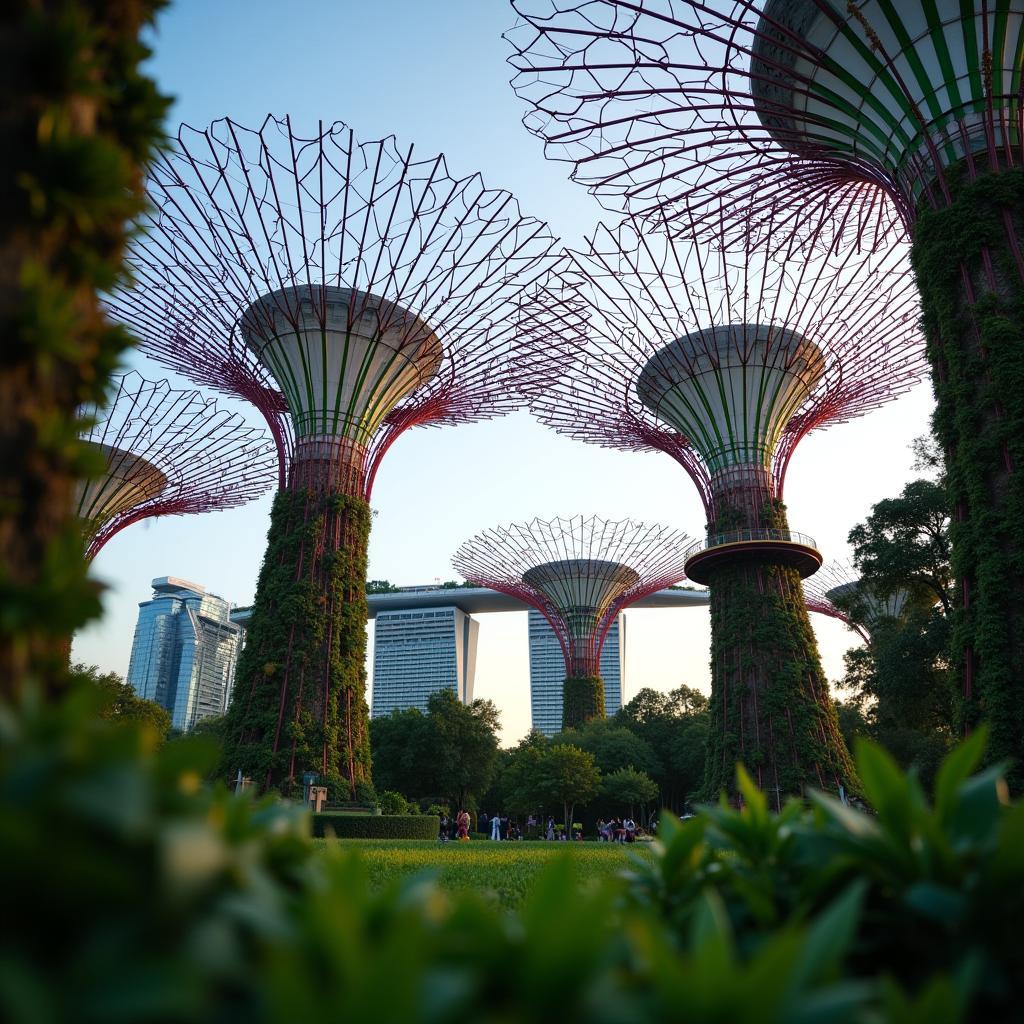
(617, 830)
(456, 828)
(500, 826)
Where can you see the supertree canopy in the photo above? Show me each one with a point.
(166, 452)
(723, 358)
(875, 116)
(837, 590)
(351, 291)
(579, 573)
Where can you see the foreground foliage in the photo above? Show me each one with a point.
(166, 900)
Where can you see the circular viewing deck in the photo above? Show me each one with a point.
(777, 547)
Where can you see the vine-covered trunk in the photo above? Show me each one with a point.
(970, 272)
(299, 700)
(771, 709)
(78, 123)
(582, 700)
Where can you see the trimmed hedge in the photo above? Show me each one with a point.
(377, 826)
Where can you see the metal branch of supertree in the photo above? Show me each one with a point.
(578, 572)
(830, 583)
(167, 452)
(838, 590)
(721, 356)
(349, 290)
(859, 110)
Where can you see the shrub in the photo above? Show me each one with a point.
(165, 900)
(376, 826)
(391, 802)
(941, 882)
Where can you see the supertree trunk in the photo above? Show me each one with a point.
(299, 702)
(970, 272)
(771, 709)
(582, 700)
(62, 234)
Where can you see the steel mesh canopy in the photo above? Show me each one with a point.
(167, 452)
(356, 285)
(578, 572)
(846, 111)
(721, 356)
(836, 590)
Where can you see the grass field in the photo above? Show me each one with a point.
(504, 872)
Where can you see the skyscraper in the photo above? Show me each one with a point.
(418, 652)
(547, 672)
(184, 652)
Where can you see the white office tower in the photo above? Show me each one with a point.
(547, 672)
(419, 651)
(185, 651)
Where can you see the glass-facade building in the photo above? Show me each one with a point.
(185, 651)
(417, 652)
(547, 671)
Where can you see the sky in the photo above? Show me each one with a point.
(433, 72)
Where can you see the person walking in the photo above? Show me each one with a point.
(496, 827)
(551, 828)
(462, 826)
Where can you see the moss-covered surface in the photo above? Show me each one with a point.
(582, 700)
(299, 700)
(771, 709)
(80, 121)
(967, 258)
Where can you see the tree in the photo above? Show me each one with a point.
(520, 788)
(631, 787)
(613, 745)
(675, 726)
(120, 701)
(902, 681)
(402, 748)
(569, 776)
(463, 746)
(852, 721)
(904, 544)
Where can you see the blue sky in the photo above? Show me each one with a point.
(433, 72)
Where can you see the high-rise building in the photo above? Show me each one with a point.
(547, 672)
(184, 652)
(419, 651)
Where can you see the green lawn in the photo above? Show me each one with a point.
(504, 872)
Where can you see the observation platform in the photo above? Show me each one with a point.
(777, 547)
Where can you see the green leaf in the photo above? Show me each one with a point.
(885, 786)
(956, 767)
(829, 937)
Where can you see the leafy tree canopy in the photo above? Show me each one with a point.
(614, 746)
(629, 787)
(120, 701)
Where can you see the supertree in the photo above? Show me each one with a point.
(838, 591)
(724, 357)
(888, 118)
(579, 573)
(365, 291)
(166, 452)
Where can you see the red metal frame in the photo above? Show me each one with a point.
(238, 213)
(650, 102)
(210, 458)
(498, 559)
(830, 576)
